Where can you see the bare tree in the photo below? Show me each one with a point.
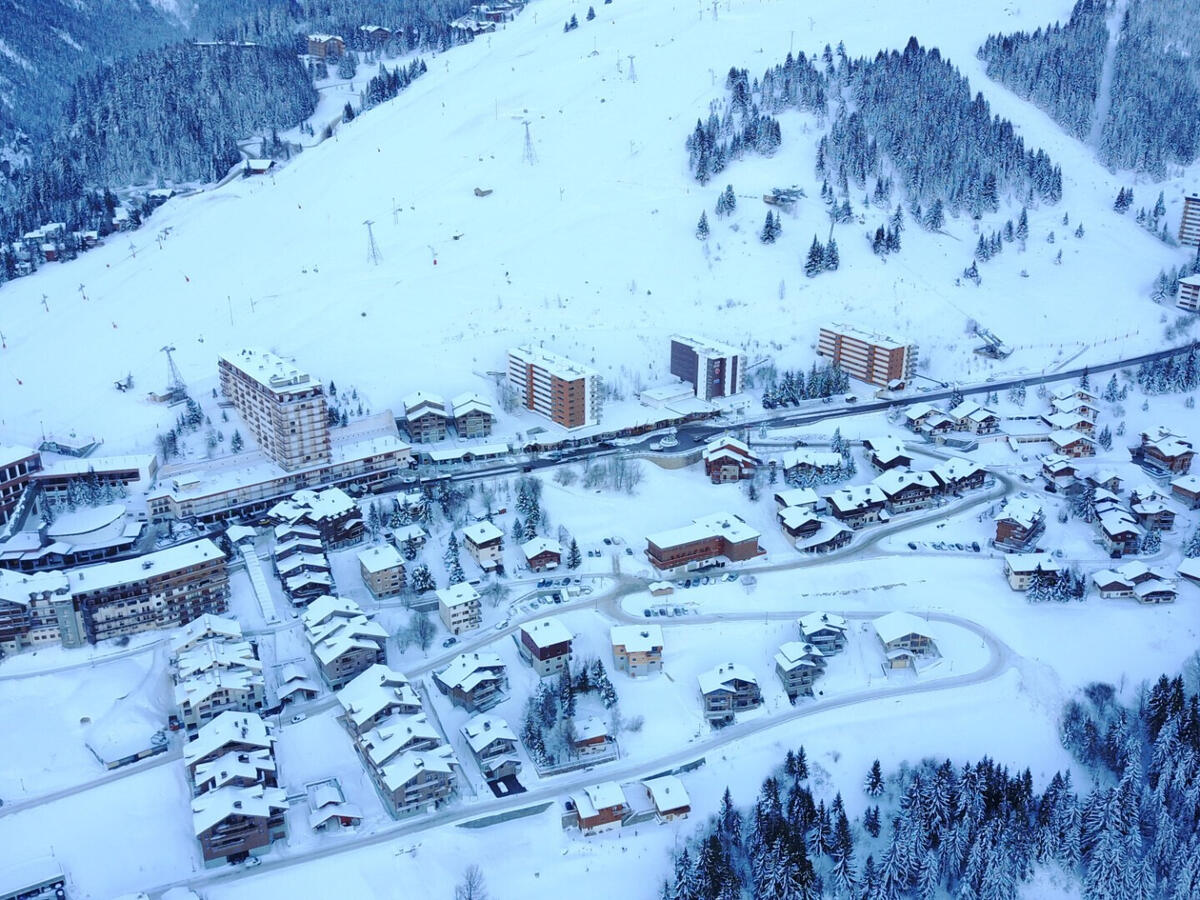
(471, 887)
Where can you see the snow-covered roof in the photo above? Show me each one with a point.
(898, 624)
(547, 632)
(470, 402)
(1025, 511)
(274, 373)
(373, 690)
(1167, 442)
(1064, 393)
(145, 464)
(139, 568)
(205, 627)
(893, 481)
(330, 503)
(482, 532)
(955, 469)
(214, 807)
(380, 558)
(1063, 438)
(871, 337)
(590, 800)
(11, 453)
(457, 595)
(391, 736)
(722, 677)
(1064, 421)
(18, 588)
(407, 766)
(727, 525)
(1189, 567)
(859, 496)
(298, 562)
(797, 654)
(793, 517)
(323, 38)
(305, 579)
(215, 653)
(886, 448)
(827, 530)
(483, 729)
(402, 533)
(817, 459)
(1025, 563)
(327, 607)
(1118, 521)
(667, 793)
(1189, 483)
(419, 403)
(1146, 588)
(919, 411)
(556, 365)
(235, 764)
(468, 669)
(1054, 463)
(341, 636)
(227, 728)
(540, 545)
(129, 728)
(816, 621)
(637, 638)
(797, 497)
(706, 346)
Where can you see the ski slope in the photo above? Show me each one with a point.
(589, 249)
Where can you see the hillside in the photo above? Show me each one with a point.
(600, 226)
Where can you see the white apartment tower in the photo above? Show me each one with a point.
(282, 406)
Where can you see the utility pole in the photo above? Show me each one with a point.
(529, 156)
(632, 73)
(372, 247)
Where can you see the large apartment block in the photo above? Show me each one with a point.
(868, 357)
(712, 368)
(1189, 222)
(283, 407)
(565, 392)
(159, 590)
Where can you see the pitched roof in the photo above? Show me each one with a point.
(467, 670)
(720, 678)
(408, 766)
(547, 632)
(457, 595)
(667, 793)
(816, 621)
(898, 624)
(482, 532)
(214, 807)
(481, 730)
(637, 638)
(541, 545)
(380, 558)
(227, 728)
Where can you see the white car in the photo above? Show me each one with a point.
(296, 720)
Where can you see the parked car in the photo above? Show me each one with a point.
(679, 611)
(608, 541)
(450, 641)
(912, 545)
(500, 626)
(975, 546)
(298, 718)
(629, 551)
(252, 862)
(647, 613)
(687, 583)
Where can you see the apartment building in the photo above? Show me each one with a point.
(563, 391)
(869, 357)
(546, 646)
(459, 607)
(721, 534)
(712, 369)
(1189, 293)
(473, 416)
(485, 542)
(16, 465)
(283, 407)
(1189, 222)
(727, 690)
(637, 649)
(382, 570)
(473, 681)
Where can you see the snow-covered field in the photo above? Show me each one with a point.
(594, 238)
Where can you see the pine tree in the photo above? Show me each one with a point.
(235, 443)
(874, 783)
(936, 217)
(591, 14)
(574, 557)
(767, 235)
(816, 258)
(1023, 225)
(831, 260)
(702, 227)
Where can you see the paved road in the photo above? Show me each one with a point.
(1000, 658)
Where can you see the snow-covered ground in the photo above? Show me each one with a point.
(591, 250)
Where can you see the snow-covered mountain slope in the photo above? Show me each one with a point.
(590, 249)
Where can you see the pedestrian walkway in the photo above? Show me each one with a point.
(258, 581)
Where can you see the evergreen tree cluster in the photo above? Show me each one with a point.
(1166, 286)
(772, 228)
(1068, 585)
(734, 127)
(388, 84)
(546, 726)
(793, 387)
(1149, 123)
(822, 258)
(1172, 375)
(173, 114)
(886, 240)
(1057, 68)
(967, 161)
(979, 831)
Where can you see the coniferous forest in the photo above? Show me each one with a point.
(966, 164)
(1144, 117)
(977, 831)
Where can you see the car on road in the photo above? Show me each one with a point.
(298, 718)
(629, 551)
(912, 545)
(679, 611)
(500, 626)
(731, 577)
(647, 613)
(608, 541)
(565, 582)
(450, 641)
(687, 583)
(975, 546)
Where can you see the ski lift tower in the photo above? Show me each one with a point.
(176, 389)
